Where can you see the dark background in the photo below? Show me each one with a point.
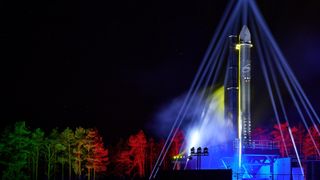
(113, 64)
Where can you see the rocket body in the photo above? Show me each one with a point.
(238, 86)
(244, 93)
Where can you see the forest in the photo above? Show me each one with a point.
(81, 153)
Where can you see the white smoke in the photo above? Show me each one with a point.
(211, 128)
(204, 124)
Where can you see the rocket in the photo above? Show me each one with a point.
(244, 89)
(237, 85)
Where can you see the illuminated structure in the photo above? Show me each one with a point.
(238, 101)
(251, 158)
(238, 88)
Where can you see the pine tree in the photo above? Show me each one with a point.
(285, 144)
(37, 143)
(138, 144)
(309, 150)
(78, 150)
(68, 139)
(18, 150)
(101, 159)
(121, 164)
(131, 160)
(50, 152)
(90, 143)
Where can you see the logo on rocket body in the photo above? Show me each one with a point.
(246, 71)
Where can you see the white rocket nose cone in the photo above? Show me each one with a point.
(245, 35)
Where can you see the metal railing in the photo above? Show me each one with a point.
(258, 144)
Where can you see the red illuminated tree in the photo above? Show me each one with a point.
(175, 147)
(153, 151)
(123, 163)
(286, 142)
(96, 155)
(260, 134)
(101, 159)
(138, 144)
(119, 159)
(167, 160)
(176, 143)
(131, 160)
(298, 134)
(309, 150)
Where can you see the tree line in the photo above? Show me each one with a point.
(76, 154)
(80, 153)
(33, 154)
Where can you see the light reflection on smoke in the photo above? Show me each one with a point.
(211, 126)
(204, 123)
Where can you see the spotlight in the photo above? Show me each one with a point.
(198, 154)
(192, 150)
(199, 150)
(205, 151)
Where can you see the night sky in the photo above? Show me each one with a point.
(113, 64)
